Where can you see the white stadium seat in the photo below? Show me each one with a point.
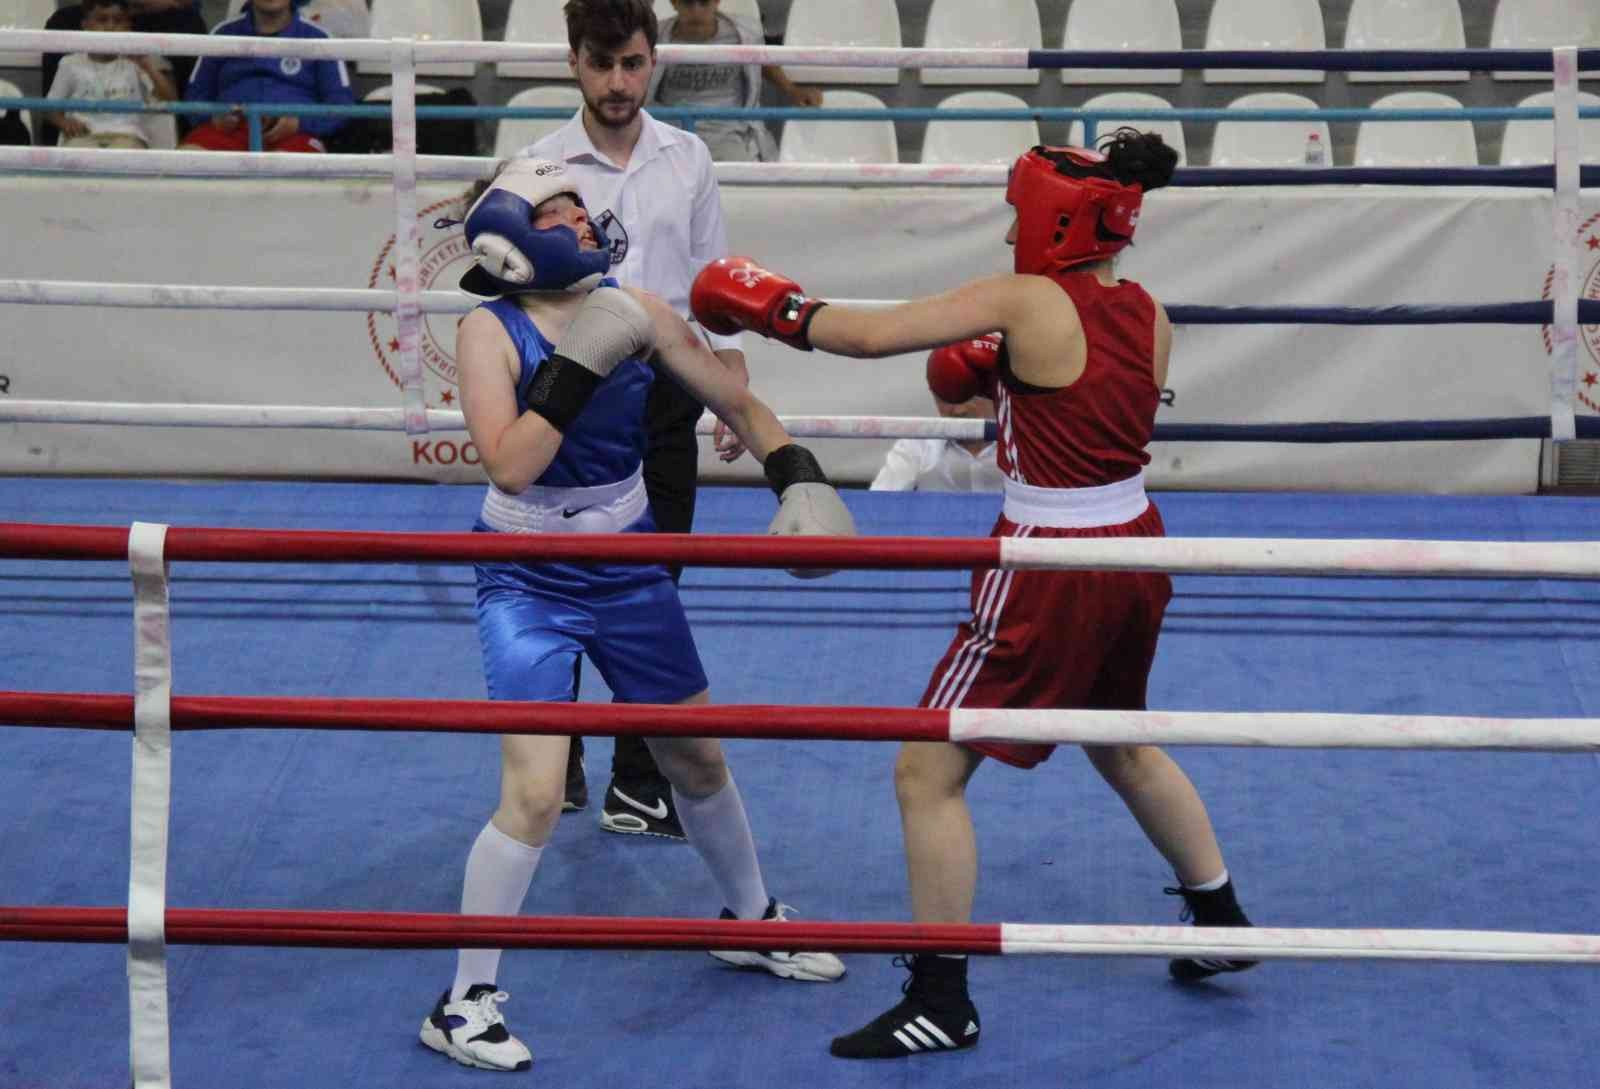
(1544, 24)
(1267, 143)
(824, 23)
(979, 141)
(515, 133)
(1265, 24)
(24, 15)
(1122, 25)
(1405, 24)
(422, 19)
(996, 24)
(1529, 143)
(535, 21)
(1169, 131)
(1416, 143)
(841, 141)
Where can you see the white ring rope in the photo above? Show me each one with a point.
(240, 297)
(464, 168)
(379, 49)
(330, 417)
(1269, 943)
(1273, 729)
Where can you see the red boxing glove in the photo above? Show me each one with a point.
(734, 293)
(966, 369)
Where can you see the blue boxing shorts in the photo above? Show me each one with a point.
(534, 619)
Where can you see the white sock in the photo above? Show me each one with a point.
(499, 871)
(720, 831)
(1210, 886)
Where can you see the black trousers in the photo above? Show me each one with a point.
(670, 471)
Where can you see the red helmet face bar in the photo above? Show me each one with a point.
(1068, 210)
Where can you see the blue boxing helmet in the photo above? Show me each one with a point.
(509, 255)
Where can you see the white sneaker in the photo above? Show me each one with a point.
(472, 1032)
(810, 967)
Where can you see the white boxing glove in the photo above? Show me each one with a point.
(808, 506)
(609, 327)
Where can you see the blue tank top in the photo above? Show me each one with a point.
(606, 442)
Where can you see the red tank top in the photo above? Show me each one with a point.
(1094, 431)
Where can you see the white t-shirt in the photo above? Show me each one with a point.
(115, 80)
(666, 201)
(938, 465)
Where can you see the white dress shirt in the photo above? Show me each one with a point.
(666, 199)
(938, 465)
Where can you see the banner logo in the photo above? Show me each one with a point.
(1589, 335)
(747, 277)
(445, 255)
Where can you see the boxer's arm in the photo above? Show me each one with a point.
(681, 350)
(1010, 304)
(514, 447)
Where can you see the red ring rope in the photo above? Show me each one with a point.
(397, 930)
(113, 712)
(33, 541)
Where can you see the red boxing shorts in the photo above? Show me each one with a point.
(1055, 639)
(212, 138)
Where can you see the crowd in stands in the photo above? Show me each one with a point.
(1079, 24)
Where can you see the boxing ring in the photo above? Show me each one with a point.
(1316, 630)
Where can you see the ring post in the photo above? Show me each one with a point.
(148, 1038)
(407, 234)
(1564, 285)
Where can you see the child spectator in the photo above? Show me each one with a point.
(699, 22)
(103, 77)
(286, 80)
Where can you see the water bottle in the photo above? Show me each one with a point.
(1316, 152)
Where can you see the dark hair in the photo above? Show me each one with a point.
(1142, 157)
(481, 186)
(607, 24)
(92, 5)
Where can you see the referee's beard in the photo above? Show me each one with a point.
(613, 112)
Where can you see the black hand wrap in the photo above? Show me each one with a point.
(792, 464)
(557, 390)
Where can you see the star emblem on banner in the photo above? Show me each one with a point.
(1588, 285)
(448, 398)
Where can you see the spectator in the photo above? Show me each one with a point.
(699, 22)
(287, 80)
(105, 77)
(149, 17)
(945, 465)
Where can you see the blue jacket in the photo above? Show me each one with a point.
(273, 79)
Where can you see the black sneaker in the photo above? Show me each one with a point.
(935, 1015)
(577, 795)
(640, 808)
(1216, 908)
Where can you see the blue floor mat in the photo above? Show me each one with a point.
(352, 821)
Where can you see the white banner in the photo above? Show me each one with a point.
(1360, 246)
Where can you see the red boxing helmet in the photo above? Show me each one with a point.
(1069, 209)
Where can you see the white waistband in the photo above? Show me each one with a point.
(605, 508)
(1076, 508)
